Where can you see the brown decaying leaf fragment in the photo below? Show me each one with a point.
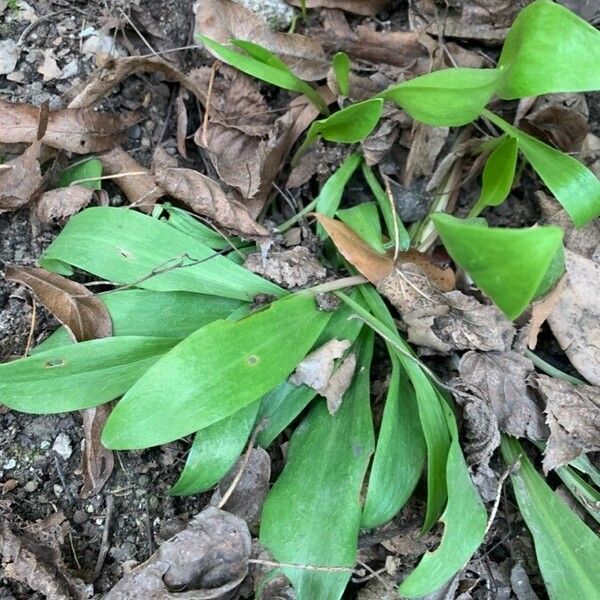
(339, 383)
(97, 462)
(61, 203)
(82, 313)
(206, 560)
(182, 122)
(500, 379)
(224, 20)
(20, 178)
(573, 415)
(316, 369)
(205, 197)
(367, 8)
(81, 131)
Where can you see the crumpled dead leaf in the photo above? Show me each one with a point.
(60, 203)
(573, 415)
(501, 380)
(224, 20)
(49, 69)
(20, 178)
(425, 146)
(289, 268)
(205, 197)
(205, 561)
(80, 311)
(367, 8)
(97, 462)
(248, 496)
(33, 558)
(81, 131)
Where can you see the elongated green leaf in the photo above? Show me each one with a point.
(125, 246)
(567, 549)
(341, 68)
(215, 372)
(464, 521)
(571, 182)
(327, 460)
(80, 375)
(263, 65)
(587, 495)
(214, 452)
(90, 169)
(507, 264)
(154, 314)
(498, 175)
(400, 454)
(330, 196)
(549, 49)
(364, 219)
(449, 97)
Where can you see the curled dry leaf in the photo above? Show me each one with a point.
(500, 379)
(290, 268)
(61, 203)
(182, 122)
(224, 20)
(339, 383)
(82, 313)
(573, 415)
(81, 131)
(206, 560)
(367, 8)
(20, 178)
(97, 462)
(248, 496)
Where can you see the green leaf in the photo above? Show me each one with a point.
(80, 375)
(507, 264)
(498, 175)
(450, 97)
(571, 182)
(567, 549)
(215, 372)
(400, 454)
(549, 49)
(88, 169)
(364, 219)
(464, 519)
(341, 68)
(312, 513)
(127, 247)
(587, 495)
(154, 314)
(215, 450)
(263, 65)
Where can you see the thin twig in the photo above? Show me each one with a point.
(271, 563)
(149, 46)
(213, 72)
(104, 545)
(494, 510)
(103, 177)
(390, 195)
(31, 327)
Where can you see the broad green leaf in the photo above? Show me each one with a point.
(450, 97)
(571, 182)
(364, 219)
(400, 453)
(215, 372)
(215, 450)
(507, 264)
(341, 68)
(154, 314)
(549, 49)
(498, 175)
(264, 65)
(89, 169)
(587, 495)
(80, 375)
(395, 226)
(464, 521)
(567, 549)
(312, 513)
(127, 247)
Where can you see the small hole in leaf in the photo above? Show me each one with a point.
(252, 360)
(57, 362)
(125, 253)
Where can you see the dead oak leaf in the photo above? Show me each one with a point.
(97, 462)
(61, 203)
(573, 415)
(80, 311)
(20, 178)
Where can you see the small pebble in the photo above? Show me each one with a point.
(11, 463)
(31, 486)
(58, 490)
(62, 446)
(79, 517)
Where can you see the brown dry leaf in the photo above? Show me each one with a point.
(367, 8)
(38, 565)
(139, 186)
(339, 383)
(247, 499)
(476, 19)
(82, 313)
(289, 268)
(377, 145)
(205, 197)
(444, 321)
(224, 20)
(20, 178)
(61, 203)
(500, 379)
(205, 561)
(573, 415)
(426, 144)
(541, 309)
(97, 462)
(81, 131)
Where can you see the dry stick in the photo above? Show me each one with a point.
(31, 327)
(213, 71)
(372, 573)
(104, 545)
(494, 510)
(272, 563)
(388, 191)
(73, 551)
(137, 31)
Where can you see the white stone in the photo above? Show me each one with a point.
(9, 56)
(62, 446)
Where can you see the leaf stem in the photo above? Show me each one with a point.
(547, 368)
